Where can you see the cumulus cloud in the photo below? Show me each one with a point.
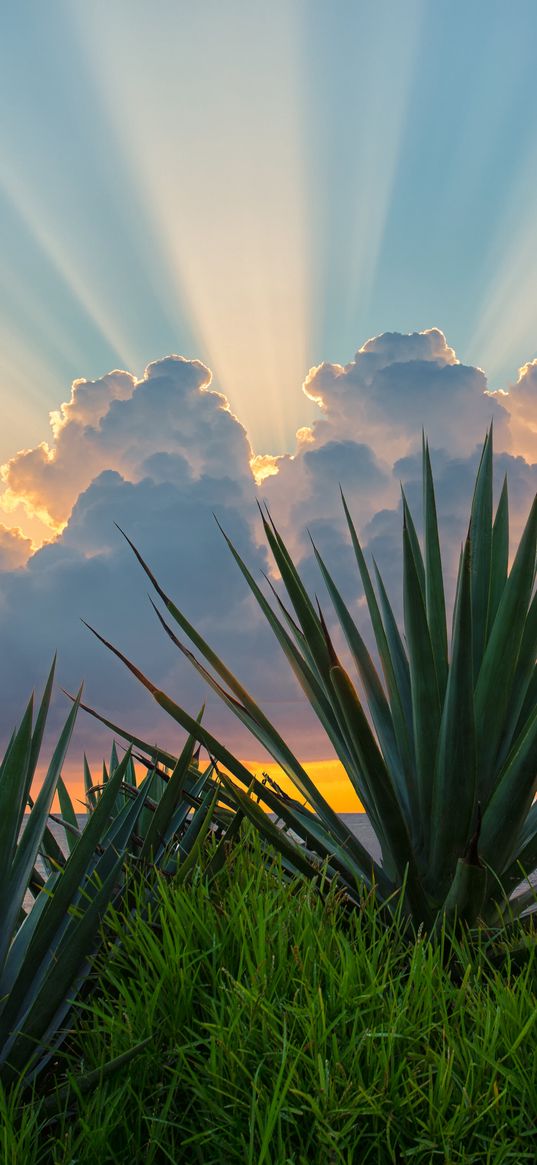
(398, 384)
(159, 454)
(118, 422)
(15, 549)
(372, 411)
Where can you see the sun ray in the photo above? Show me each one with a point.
(217, 152)
(356, 134)
(505, 318)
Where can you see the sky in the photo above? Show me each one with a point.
(326, 214)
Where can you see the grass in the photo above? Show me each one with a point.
(283, 1032)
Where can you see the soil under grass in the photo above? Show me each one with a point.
(283, 1032)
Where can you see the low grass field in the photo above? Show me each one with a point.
(283, 1031)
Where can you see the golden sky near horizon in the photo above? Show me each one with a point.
(329, 776)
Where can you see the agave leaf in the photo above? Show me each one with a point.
(192, 791)
(258, 724)
(318, 839)
(303, 607)
(522, 868)
(499, 557)
(153, 785)
(414, 544)
(26, 1043)
(22, 860)
(423, 679)
(481, 540)
(393, 835)
(191, 844)
(68, 812)
(303, 668)
(296, 631)
(496, 675)
(466, 896)
(454, 794)
(524, 674)
(511, 800)
(22, 940)
(50, 852)
(522, 864)
(252, 716)
(91, 795)
(74, 831)
(346, 853)
(39, 729)
(281, 842)
(36, 939)
(378, 704)
(399, 657)
(36, 883)
(12, 802)
(434, 582)
(28, 846)
(393, 661)
(529, 702)
(158, 754)
(123, 824)
(170, 799)
(209, 655)
(529, 829)
(525, 904)
(218, 860)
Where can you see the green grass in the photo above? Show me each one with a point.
(284, 1033)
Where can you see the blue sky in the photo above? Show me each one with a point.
(363, 167)
(336, 195)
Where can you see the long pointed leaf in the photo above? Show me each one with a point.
(481, 540)
(511, 800)
(378, 704)
(454, 795)
(434, 583)
(499, 557)
(423, 678)
(495, 680)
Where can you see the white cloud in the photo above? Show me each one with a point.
(118, 422)
(398, 384)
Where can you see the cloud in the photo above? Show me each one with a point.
(371, 414)
(161, 454)
(90, 572)
(398, 384)
(15, 549)
(521, 403)
(118, 422)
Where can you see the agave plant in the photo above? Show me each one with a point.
(46, 949)
(444, 760)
